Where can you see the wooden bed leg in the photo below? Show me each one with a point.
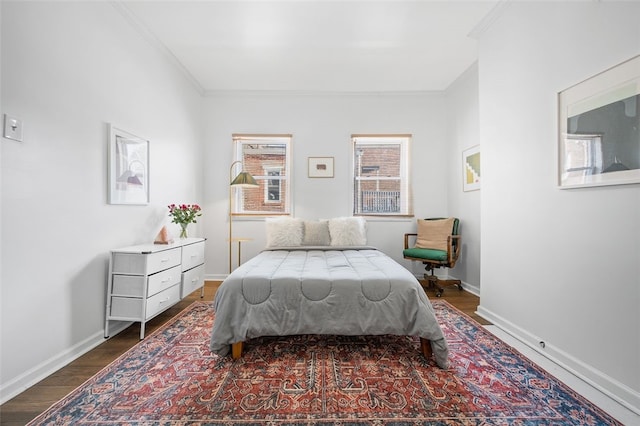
(425, 348)
(236, 350)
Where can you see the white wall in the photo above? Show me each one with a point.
(1, 198)
(559, 266)
(463, 133)
(321, 126)
(72, 68)
(69, 69)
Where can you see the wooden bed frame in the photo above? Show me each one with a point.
(425, 348)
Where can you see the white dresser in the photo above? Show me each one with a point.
(147, 279)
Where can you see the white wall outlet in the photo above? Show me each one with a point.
(12, 128)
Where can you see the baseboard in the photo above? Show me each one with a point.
(215, 277)
(23, 382)
(605, 384)
(475, 290)
(43, 370)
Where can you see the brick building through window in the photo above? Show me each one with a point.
(266, 158)
(380, 175)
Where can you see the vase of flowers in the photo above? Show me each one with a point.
(183, 215)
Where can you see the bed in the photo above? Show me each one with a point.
(328, 289)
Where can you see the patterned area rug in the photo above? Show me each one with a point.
(171, 378)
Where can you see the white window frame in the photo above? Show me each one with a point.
(239, 140)
(268, 170)
(404, 141)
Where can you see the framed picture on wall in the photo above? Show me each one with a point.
(128, 168)
(320, 167)
(471, 169)
(599, 129)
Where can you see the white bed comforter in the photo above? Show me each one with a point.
(323, 291)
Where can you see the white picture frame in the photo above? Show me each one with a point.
(320, 167)
(128, 168)
(598, 129)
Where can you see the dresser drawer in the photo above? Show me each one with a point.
(192, 255)
(129, 285)
(163, 280)
(146, 263)
(163, 260)
(192, 280)
(134, 285)
(127, 307)
(163, 300)
(131, 307)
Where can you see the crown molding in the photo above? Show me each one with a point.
(146, 33)
(319, 93)
(488, 20)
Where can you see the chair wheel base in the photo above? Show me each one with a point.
(434, 282)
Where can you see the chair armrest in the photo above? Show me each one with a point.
(453, 251)
(406, 239)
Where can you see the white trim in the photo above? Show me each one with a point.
(146, 33)
(319, 93)
(605, 384)
(43, 370)
(215, 277)
(487, 21)
(475, 290)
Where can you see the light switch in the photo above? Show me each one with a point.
(12, 128)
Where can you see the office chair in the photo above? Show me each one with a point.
(437, 245)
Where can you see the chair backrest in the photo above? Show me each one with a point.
(454, 231)
(456, 223)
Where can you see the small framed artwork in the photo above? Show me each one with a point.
(320, 167)
(471, 169)
(599, 129)
(128, 168)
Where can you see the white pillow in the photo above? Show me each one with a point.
(348, 231)
(316, 233)
(284, 232)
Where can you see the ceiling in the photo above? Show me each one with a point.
(314, 46)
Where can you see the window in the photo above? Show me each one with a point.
(381, 175)
(266, 158)
(273, 187)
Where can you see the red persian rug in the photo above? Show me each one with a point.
(171, 378)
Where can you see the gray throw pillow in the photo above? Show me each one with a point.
(316, 233)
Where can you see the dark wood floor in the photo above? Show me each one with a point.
(27, 405)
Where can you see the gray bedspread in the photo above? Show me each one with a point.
(323, 291)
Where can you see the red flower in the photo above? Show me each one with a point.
(184, 213)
